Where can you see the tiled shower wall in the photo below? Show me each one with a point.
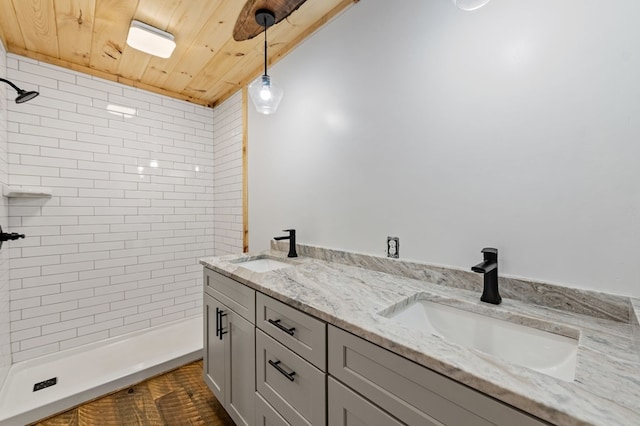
(116, 248)
(5, 342)
(227, 176)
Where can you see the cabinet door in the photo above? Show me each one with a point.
(229, 360)
(215, 354)
(240, 367)
(347, 408)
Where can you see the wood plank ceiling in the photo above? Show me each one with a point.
(207, 66)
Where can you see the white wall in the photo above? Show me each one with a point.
(227, 176)
(116, 248)
(514, 126)
(5, 340)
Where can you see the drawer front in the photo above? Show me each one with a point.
(410, 392)
(237, 296)
(347, 408)
(298, 331)
(266, 415)
(294, 387)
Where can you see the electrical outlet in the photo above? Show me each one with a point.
(393, 247)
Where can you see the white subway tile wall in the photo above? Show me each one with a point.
(227, 176)
(5, 341)
(116, 248)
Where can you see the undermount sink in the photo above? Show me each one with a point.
(542, 351)
(263, 264)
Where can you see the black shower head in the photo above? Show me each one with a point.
(23, 95)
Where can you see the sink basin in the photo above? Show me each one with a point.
(262, 264)
(542, 351)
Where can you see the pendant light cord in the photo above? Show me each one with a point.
(264, 24)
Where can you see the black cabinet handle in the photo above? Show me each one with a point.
(289, 331)
(217, 321)
(219, 314)
(276, 365)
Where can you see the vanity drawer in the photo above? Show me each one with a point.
(298, 331)
(237, 296)
(293, 387)
(266, 415)
(410, 392)
(347, 408)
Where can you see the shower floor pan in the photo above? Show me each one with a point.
(87, 372)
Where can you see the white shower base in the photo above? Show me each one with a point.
(90, 371)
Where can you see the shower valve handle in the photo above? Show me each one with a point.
(4, 236)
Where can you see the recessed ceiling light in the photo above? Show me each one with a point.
(150, 39)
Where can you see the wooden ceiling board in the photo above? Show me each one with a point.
(207, 66)
(227, 67)
(208, 44)
(110, 31)
(40, 34)
(74, 21)
(10, 33)
(191, 19)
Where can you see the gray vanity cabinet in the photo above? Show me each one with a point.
(229, 345)
(271, 364)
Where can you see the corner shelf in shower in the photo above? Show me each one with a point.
(26, 192)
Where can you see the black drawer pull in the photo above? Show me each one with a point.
(276, 365)
(289, 331)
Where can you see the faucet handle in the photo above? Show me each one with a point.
(490, 253)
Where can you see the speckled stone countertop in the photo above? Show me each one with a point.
(350, 291)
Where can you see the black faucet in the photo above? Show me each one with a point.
(489, 267)
(292, 241)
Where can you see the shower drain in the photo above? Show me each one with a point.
(45, 384)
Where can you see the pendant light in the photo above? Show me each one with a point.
(265, 93)
(469, 5)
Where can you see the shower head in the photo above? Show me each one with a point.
(23, 95)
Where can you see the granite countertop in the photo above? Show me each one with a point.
(606, 389)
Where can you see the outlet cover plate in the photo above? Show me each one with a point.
(393, 247)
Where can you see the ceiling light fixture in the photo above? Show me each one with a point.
(469, 5)
(23, 95)
(265, 93)
(150, 40)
